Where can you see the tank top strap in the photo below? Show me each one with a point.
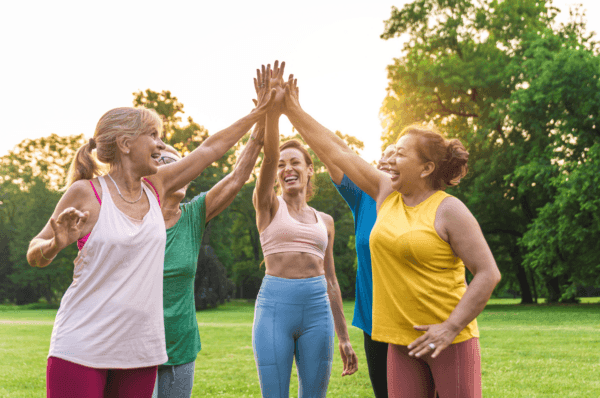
(105, 197)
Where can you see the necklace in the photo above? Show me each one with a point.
(119, 191)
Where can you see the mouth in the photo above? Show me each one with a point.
(290, 179)
(393, 174)
(156, 157)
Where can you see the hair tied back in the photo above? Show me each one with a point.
(92, 143)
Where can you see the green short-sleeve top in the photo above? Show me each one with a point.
(181, 258)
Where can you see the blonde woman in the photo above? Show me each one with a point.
(108, 336)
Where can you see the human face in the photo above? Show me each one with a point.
(405, 166)
(146, 150)
(292, 171)
(383, 164)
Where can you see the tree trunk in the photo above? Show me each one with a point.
(553, 286)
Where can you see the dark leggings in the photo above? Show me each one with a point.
(66, 379)
(377, 353)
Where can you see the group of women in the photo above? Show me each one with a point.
(126, 326)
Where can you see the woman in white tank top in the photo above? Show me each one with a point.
(108, 337)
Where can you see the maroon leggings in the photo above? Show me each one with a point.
(455, 373)
(66, 379)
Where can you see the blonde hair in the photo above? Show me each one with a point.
(129, 122)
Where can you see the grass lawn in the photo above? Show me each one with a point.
(527, 351)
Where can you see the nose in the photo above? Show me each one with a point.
(161, 145)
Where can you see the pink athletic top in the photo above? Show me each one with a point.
(111, 316)
(286, 234)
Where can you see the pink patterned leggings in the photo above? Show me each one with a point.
(66, 379)
(455, 373)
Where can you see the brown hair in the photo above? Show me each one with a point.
(449, 156)
(295, 144)
(130, 122)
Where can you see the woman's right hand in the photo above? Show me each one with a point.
(292, 94)
(266, 95)
(68, 226)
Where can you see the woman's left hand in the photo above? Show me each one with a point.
(349, 358)
(436, 338)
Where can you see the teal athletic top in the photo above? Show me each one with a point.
(364, 211)
(181, 258)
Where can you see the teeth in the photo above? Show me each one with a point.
(288, 179)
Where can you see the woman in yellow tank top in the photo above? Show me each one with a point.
(420, 245)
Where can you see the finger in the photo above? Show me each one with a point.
(417, 342)
(255, 102)
(422, 327)
(263, 75)
(281, 69)
(256, 85)
(83, 219)
(275, 68)
(54, 226)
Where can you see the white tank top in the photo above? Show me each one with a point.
(112, 314)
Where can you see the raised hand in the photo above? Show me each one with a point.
(275, 78)
(68, 226)
(292, 94)
(264, 92)
(348, 358)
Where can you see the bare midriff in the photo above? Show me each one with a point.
(294, 265)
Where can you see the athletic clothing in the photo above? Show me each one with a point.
(81, 242)
(364, 211)
(174, 381)
(293, 318)
(181, 260)
(66, 379)
(455, 373)
(417, 278)
(377, 353)
(286, 234)
(111, 315)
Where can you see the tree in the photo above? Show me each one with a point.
(462, 65)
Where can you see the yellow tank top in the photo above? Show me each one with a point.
(417, 280)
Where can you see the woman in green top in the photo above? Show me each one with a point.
(185, 225)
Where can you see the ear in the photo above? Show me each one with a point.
(428, 169)
(311, 170)
(123, 144)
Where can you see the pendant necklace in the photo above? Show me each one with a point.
(135, 201)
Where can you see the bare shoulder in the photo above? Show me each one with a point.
(453, 209)
(328, 220)
(80, 193)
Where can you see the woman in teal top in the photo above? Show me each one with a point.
(185, 225)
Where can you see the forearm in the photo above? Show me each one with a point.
(337, 309)
(473, 301)
(218, 144)
(41, 252)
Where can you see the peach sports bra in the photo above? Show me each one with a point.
(286, 234)
(81, 242)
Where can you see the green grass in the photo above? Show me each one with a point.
(527, 351)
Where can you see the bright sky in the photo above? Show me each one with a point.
(65, 63)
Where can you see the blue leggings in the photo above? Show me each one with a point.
(292, 318)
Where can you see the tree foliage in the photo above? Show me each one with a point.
(480, 71)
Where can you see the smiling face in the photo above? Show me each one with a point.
(293, 173)
(383, 164)
(145, 151)
(406, 168)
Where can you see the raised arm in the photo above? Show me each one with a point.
(335, 298)
(264, 198)
(332, 150)
(223, 193)
(172, 177)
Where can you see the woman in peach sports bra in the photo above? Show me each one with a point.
(420, 245)
(299, 303)
(108, 336)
